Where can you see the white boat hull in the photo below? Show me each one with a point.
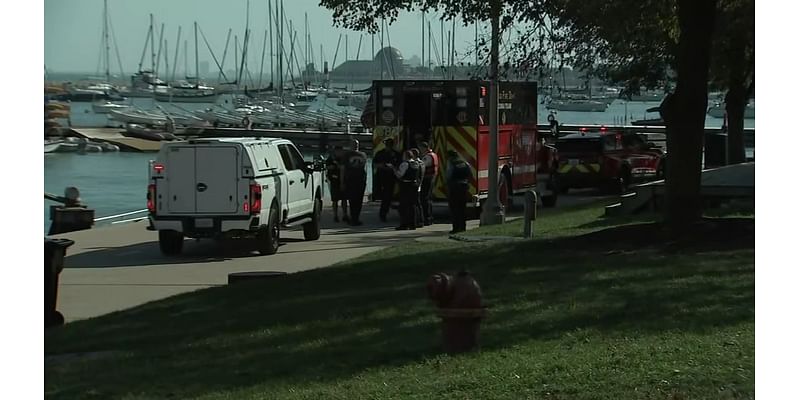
(132, 117)
(719, 111)
(580, 106)
(105, 108)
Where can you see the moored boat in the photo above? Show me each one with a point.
(105, 107)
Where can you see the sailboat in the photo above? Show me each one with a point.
(186, 92)
(145, 81)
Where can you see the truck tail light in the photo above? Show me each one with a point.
(254, 207)
(151, 198)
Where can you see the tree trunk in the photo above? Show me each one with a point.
(735, 104)
(685, 112)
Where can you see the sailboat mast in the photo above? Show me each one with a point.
(105, 39)
(280, 58)
(177, 49)
(305, 56)
(196, 60)
(152, 47)
(423, 37)
(185, 58)
(166, 57)
(144, 49)
(441, 38)
(160, 46)
(271, 53)
(246, 36)
(453, 51)
(224, 57)
(263, 53)
(477, 61)
(236, 57)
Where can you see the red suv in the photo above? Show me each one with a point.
(607, 159)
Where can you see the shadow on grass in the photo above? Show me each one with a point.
(336, 322)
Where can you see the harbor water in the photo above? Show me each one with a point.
(114, 183)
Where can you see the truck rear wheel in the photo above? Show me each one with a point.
(170, 242)
(312, 230)
(268, 237)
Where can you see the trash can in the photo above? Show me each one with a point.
(716, 150)
(54, 252)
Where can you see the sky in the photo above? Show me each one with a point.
(73, 32)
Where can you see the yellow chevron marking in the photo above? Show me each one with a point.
(595, 167)
(581, 168)
(564, 169)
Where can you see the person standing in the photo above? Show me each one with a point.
(407, 172)
(384, 162)
(355, 181)
(459, 174)
(431, 162)
(333, 172)
(417, 200)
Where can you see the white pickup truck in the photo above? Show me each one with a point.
(235, 188)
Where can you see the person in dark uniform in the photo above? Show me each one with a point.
(407, 172)
(431, 163)
(418, 222)
(459, 174)
(355, 181)
(333, 172)
(384, 163)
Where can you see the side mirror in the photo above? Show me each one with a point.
(312, 166)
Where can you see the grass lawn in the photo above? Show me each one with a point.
(605, 315)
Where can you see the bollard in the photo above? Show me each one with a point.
(531, 205)
(72, 216)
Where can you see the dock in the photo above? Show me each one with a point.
(302, 138)
(115, 136)
(308, 139)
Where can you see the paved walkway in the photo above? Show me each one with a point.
(118, 267)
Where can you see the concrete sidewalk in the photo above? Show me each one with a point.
(119, 267)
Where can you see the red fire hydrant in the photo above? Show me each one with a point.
(460, 306)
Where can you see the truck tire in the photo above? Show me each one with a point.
(170, 242)
(268, 237)
(312, 230)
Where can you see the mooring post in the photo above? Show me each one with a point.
(72, 215)
(531, 202)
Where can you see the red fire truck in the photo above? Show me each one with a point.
(454, 115)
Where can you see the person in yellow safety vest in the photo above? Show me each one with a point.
(431, 163)
(408, 173)
(417, 200)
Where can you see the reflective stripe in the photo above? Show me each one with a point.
(594, 167)
(484, 173)
(525, 169)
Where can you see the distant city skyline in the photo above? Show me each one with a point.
(73, 34)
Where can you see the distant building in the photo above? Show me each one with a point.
(388, 61)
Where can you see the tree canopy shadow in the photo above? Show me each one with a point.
(336, 322)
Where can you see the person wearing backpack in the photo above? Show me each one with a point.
(458, 177)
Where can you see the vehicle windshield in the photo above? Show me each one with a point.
(578, 146)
